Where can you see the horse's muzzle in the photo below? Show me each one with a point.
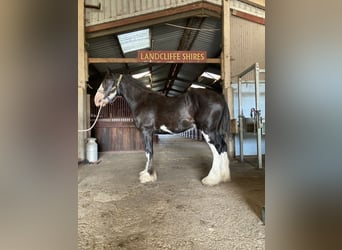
(99, 99)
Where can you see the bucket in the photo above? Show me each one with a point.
(91, 150)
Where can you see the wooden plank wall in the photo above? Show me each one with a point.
(115, 130)
(112, 136)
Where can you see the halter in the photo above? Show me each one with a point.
(98, 113)
(117, 86)
(119, 80)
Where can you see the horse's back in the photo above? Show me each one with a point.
(206, 95)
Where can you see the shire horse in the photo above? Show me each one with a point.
(156, 113)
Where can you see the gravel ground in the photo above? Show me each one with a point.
(115, 211)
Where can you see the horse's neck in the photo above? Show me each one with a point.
(131, 93)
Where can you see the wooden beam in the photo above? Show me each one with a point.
(135, 60)
(249, 17)
(202, 8)
(256, 3)
(227, 90)
(91, 6)
(82, 89)
(185, 43)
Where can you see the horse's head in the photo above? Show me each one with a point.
(108, 89)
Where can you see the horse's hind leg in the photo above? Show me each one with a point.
(219, 171)
(225, 171)
(148, 174)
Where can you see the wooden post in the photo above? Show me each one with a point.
(82, 87)
(225, 70)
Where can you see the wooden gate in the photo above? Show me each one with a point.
(115, 130)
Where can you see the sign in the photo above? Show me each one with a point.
(164, 56)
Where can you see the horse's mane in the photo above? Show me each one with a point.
(139, 84)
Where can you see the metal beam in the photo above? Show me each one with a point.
(186, 42)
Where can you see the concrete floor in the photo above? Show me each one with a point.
(115, 211)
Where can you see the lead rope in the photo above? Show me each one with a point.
(97, 117)
(98, 113)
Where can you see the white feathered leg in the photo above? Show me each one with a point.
(217, 172)
(225, 171)
(145, 176)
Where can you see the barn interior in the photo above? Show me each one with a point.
(115, 210)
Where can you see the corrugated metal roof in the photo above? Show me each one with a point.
(163, 37)
(104, 46)
(167, 37)
(192, 33)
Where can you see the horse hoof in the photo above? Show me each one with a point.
(146, 177)
(209, 182)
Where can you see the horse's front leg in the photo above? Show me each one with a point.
(148, 174)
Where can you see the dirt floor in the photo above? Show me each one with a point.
(177, 212)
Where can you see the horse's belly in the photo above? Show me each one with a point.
(181, 126)
(186, 124)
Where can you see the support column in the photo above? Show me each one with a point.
(225, 70)
(82, 87)
(258, 117)
(82, 136)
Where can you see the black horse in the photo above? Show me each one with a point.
(155, 113)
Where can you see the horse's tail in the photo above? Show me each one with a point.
(224, 123)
